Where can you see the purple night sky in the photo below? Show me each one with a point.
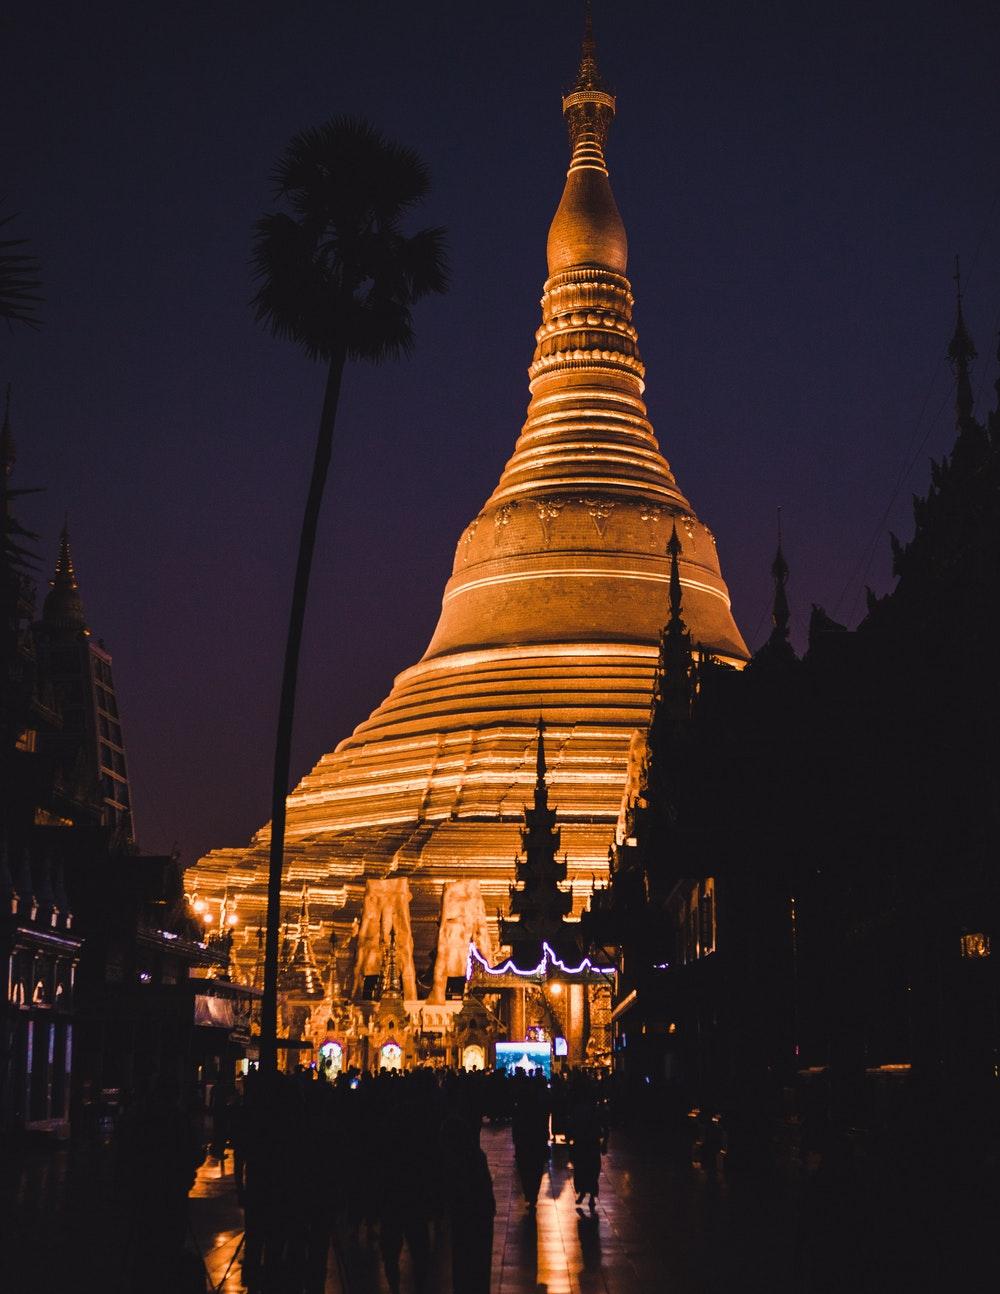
(795, 180)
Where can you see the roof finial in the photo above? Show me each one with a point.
(65, 575)
(588, 108)
(391, 982)
(779, 612)
(588, 76)
(672, 682)
(541, 786)
(63, 605)
(961, 352)
(674, 552)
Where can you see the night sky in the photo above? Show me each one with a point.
(795, 180)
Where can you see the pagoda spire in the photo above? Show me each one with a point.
(961, 352)
(777, 650)
(300, 976)
(65, 575)
(675, 622)
(672, 685)
(541, 787)
(779, 612)
(63, 605)
(391, 985)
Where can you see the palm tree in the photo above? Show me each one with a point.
(338, 277)
(19, 282)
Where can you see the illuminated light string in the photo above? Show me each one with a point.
(548, 959)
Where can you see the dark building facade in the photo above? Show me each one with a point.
(108, 978)
(87, 747)
(804, 885)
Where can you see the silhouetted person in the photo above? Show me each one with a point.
(589, 1136)
(158, 1156)
(221, 1107)
(559, 1104)
(406, 1145)
(471, 1208)
(530, 1131)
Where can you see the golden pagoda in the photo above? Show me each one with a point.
(555, 605)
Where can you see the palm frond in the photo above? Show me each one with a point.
(339, 273)
(19, 281)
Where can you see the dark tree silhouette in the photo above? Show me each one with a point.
(19, 281)
(338, 276)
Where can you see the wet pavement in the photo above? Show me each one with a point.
(662, 1226)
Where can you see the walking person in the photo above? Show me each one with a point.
(530, 1131)
(158, 1154)
(471, 1208)
(589, 1136)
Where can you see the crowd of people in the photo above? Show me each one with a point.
(362, 1165)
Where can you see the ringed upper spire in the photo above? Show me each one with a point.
(587, 229)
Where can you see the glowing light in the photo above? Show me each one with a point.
(548, 959)
(556, 989)
(207, 918)
(199, 905)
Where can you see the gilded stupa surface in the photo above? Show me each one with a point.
(555, 606)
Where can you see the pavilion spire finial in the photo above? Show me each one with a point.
(674, 552)
(63, 605)
(779, 613)
(541, 769)
(64, 576)
(961, 352)
(391, 982)
(672, 683)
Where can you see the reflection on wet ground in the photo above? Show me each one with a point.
(662, 1225)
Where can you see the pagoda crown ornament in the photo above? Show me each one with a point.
(587, 229)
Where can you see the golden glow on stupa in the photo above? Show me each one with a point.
(555, 604)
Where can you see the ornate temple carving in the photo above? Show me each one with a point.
(385, 918)
(463, 921)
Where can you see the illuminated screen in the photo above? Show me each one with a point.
(561, 1047)
(524, 1056)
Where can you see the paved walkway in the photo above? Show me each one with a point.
(660, 1227)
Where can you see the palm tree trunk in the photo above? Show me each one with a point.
(286, 710)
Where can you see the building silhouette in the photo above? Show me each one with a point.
(109, 976)
(804, 890)
(88, 745)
